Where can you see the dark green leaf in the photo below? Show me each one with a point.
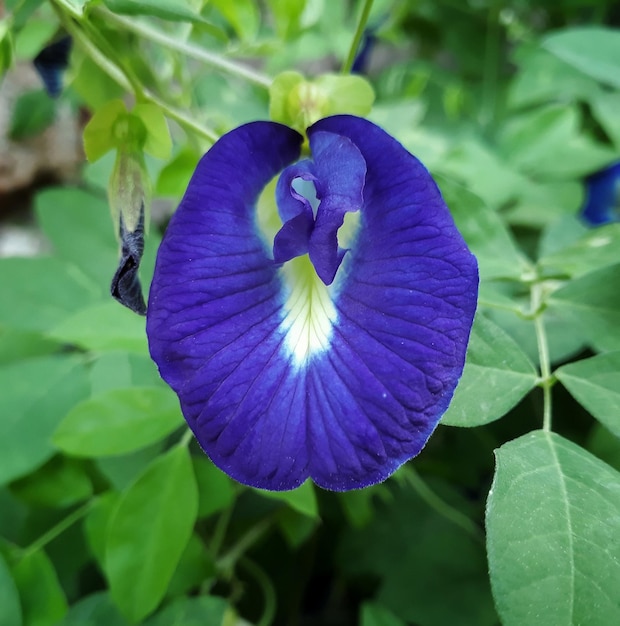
(215, 490)
(553, 519)
(376, 615)
(10, 609)
(94, 610)
(33, 112)
(148, 533)
(496, 377)
(36, 395)
(302, 499)
(118, 421)
(198, 611)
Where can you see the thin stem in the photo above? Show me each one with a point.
(190, 50)
(58, 529)
(444, 509)
(359, 32)
(187, 437)
(245, 542)
(546, 379)
(269, 594)
(219, 532)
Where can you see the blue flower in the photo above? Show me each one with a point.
(51, 64)
(603, 196)
(312, 357)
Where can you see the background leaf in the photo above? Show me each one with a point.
(10, 608)
(553, 518)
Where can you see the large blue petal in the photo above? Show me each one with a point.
(282, 378)
(602, 203)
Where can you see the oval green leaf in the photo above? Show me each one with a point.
(553, 522)
(148, 533)
(118, 421)
(497, 375)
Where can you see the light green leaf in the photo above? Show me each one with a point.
(33, 37)
(484, 232)
(593, 302)
(96, 524)
(594, 250)
(496, 377)
(593, 50)
(10, 608)
(242, 15)
(148, 533)
(346, 94)
(553, 521)
(121, 471)
(117, 370)
(158, 141)
(40, 292)
(174, 177)
(77, 223)
(595, 383)
(302, 499)
(42, 598)
(605, 107)
(36, 394)
(215, 490)
(99, 136)
(118, 421)
(103, 327)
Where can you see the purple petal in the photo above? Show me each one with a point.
(281, 377)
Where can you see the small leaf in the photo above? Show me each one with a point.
(99, 135)
(302, 499)
(591, 49)
(496, 377)
(553, 521)
(118, 421)
(36, 394)
(96, 609)
(595, 383)
(148, 533)
(593, 302)
(33, 112)
(42, 598)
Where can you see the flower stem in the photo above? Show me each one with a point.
(58, 529)
(355, 44)
(441, 506)
(269, 594)
(210, 58)
(546, 379)
(228, 560)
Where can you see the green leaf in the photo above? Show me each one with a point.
(496, 377)
(117, 370)
(40, 292)
(593, 50)
(118, 421)
(103, 327)
(302, 499)
(174, 177)
(77, 223)
(148, 533)
(594, 250)
(99, 136)
(121, 471)
(484, 232)
(595, 383)
(16, 345)
(42, 598)
(96, 524)
(197, 611)
(196, 566)
(593, 302)
(242, 15)
(215, 490)
(33, 37)
(33, 112)
(94, 610)
(10, 608)
(36, 394)
(59, 483)
(605, 107)
(158, 141)
(553, 519)
(376, 615)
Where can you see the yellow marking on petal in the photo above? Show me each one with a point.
(309, 311)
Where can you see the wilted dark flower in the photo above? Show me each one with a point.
(51, 64)
(312, 358)
(603, 196)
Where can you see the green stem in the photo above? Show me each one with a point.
(58, 529)
(269, 594)
(188, 49)
(186, 439)
(227, 561)
(546, 379)
(219, 532)
(444, 509)
(355, 44)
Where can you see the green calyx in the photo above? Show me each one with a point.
(299, 102)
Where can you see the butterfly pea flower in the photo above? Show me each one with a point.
(602, 203)
(313, 355)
